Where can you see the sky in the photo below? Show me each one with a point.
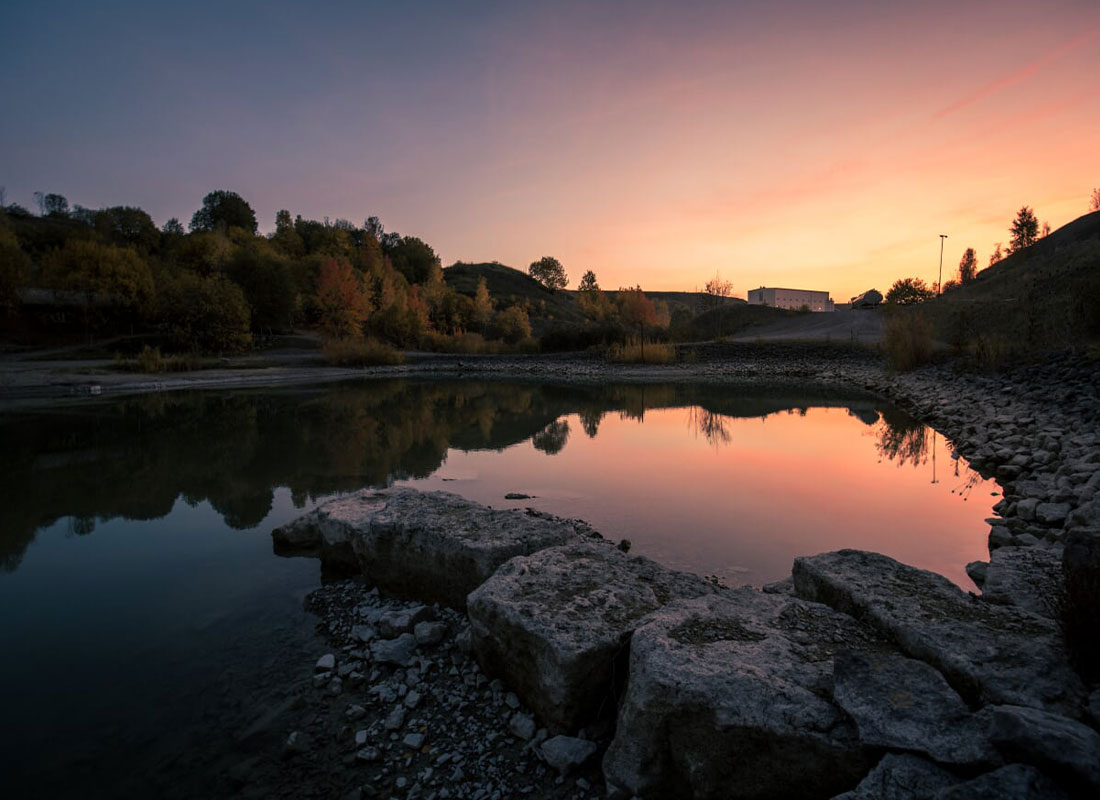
(794, 143)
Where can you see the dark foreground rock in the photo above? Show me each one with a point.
(1028, 577)
(988, 653)
(433, 546)
(728, 699)
(1062, 746)
(901, 777)
(556, 625)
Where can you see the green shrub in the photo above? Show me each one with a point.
(907, 339)
(361, 353)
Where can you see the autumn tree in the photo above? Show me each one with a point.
(1094, 201)
(636, 311)
(908, 291)
(483, 306)
(968, 266)
(513, 324)
(996, 255)
(1025, 230)
(224, 209)
(114, 276)
(342, 300)
(717, 291)
(549, 272)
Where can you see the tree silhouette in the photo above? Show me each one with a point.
(1025, 230)
(588, 282)
(224, 208)
(907, 291)
(968, 266)
(549, 272)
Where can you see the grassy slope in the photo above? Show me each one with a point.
(509, 286)
(1047, 296)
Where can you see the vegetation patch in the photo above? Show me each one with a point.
(361, 353)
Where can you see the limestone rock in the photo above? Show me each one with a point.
(394, 651)
(402, 620)
(567, 754)
(978, 571)
(1014, 782)
(988, 653)
(727, 699)
(1052, 513)
(901, 777)
(555, 625)
(1063, 746)
(432, 546)
(902, 704)
(1028, 577)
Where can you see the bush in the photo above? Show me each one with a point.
(908, 341)
(635, 352)
(205, 315)
(150, 361)
(361, 353)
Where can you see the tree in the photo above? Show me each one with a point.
(173, 227)
(222, 208)
(513, 324)
(1094, 204)
(636, 311)
(414, 259)
(55, 205)
(968, 267)
(286, 238)
(342, 300)
(549, 272)
(1025, 230)
(115, 276)
(483, 306)
(588, 283)
(206, 315)
(1045, 232)
(15, 270)
(127, 225)
(265, 279)
(717, 290)
(908, 291)
(996, 255)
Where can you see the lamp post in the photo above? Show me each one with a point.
(939, 285)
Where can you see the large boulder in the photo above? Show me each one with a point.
(555, 625)
(431, 546)
(988, 653)
(1063, 746)
(1014, 782)
(903, 704)
(1028, 577)
(728, 698)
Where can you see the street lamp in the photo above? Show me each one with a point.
(939, 286)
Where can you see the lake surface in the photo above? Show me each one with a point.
(146, 619)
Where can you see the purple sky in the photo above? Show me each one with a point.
(815, 144)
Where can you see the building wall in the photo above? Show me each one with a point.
(792, 299)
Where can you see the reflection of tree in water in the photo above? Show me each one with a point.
(711, 426)
(902, 438)
(552, 438)
(590, 422)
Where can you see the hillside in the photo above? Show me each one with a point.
(507, 286)
(1046, 296)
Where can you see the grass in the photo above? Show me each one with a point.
(907, 340)
(635, 352)
(151, 361)
(361, 353)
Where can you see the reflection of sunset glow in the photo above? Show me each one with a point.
(786, 485)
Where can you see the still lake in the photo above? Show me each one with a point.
(145, 617)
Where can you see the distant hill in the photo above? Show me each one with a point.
(1045, 296)
(507, 286)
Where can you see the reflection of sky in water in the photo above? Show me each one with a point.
(741, 497)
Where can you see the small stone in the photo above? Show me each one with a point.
(360, 738)
(567, 753)
(368, 755)
(511, 701)
(412, 699)
(414, 741)
(522, 726)
(325, 663)
(394, 651)
(395, 719)
(363, 633)
(354, 712)
(429, 634)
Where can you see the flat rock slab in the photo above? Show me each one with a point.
(988, 653)
(431, 546)
(555, 625)
(903, 704)
(1028, 577)
(728, 698)
(901, 777)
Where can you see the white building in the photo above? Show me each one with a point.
(793, 299)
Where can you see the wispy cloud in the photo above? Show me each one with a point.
(1019, 75)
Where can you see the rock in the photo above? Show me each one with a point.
(977, 572)
(988, 653)
(1063, 746)
(1081, 571)
(354, 712)
(429, 634)
(321, 535)
(902, 704)
(1025, 509)
(394, 651)
(785, 586)
(729, 690)
(433, 546)
(325, 663)
(412, 699)
(403, 620)
(901, 777)
(363, 633)
(413, 741)
(395, 719)
(1051, 513)
(999, 536)
(368, 755)
(1014, 782)
(1028, 577)
(567, 754)
(518, 496)
(553, 624)
(522, 726)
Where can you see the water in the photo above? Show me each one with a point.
(146, 621)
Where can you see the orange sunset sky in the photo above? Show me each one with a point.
(821, 145)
